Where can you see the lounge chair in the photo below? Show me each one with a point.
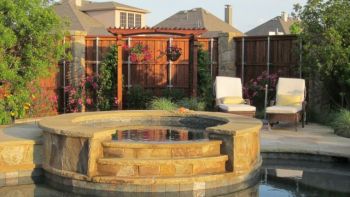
(290, 102)
(228, 91)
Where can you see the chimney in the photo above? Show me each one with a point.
(77, 3)
(228, 14)
(284, 16)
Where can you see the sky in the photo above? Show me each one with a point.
(247, 14)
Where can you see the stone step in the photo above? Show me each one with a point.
(164, 150)
(124, 167)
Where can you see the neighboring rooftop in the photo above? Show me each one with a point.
(277, 26)
(96, 6)
(198, 18)
(92, 17)
(78, 20)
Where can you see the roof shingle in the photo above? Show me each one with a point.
(198, 18)
(78, 20)
(273, 25)
(94, 6)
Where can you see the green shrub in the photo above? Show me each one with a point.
(341, 123)
(137, 97)
(162, 104)
(192, 104)
(173, 94)
(30, 37)
(107, 80)
(205, 81)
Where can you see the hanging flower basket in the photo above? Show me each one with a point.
(173, 53)
(138, 53)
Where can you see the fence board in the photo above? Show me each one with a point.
(283, 56)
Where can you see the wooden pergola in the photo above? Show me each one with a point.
(191, 33)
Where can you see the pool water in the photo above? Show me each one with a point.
(158, 134)
(275, 181)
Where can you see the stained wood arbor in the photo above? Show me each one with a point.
(159, 72)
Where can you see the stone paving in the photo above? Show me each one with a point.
(313, 139)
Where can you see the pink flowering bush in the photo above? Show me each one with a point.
(82, 95)
(254, 90)
(138, 53)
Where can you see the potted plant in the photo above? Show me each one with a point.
(138, 53)
(173, 53)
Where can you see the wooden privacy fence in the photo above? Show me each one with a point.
(158, 73)
(271, 54)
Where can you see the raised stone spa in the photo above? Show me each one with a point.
(161, 152)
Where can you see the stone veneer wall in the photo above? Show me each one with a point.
(73, 153)
(77, 68)
(20, 163)
(227, 54)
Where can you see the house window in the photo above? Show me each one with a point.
(137, 20)
(122, 19)
(131, 20)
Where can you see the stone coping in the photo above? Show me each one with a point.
(80, 124)
(313, 139)
(20, 133)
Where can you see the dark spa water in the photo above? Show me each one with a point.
(158, 134)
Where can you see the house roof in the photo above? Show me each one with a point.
(78, 20)
(275, 24)
(198, 18)
(96, 6)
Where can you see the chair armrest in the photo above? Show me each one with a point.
(272, 102)
(247, 101)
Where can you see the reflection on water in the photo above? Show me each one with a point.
(158, 134)
(304, 178)
(275, 182)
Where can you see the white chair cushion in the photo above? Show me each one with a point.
(236, 107)
(283, 109)
(228, 86)
(291, 86)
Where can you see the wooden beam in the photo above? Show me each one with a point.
(120, 72)
(169, 31)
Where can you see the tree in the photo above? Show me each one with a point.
(326, 45)
(30, 33)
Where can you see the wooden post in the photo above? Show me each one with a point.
(194, 64)
(120, 72)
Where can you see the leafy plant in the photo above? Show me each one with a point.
(29, 46)
(162, 104)
(254, 90)
(341, 123)
(205, 81)
(106, 93)
(173, 53)
(82, 95)
(192, 104)
(173, 94)
(44, 102)
(138, 53)
(137, 97)
(326, 47)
